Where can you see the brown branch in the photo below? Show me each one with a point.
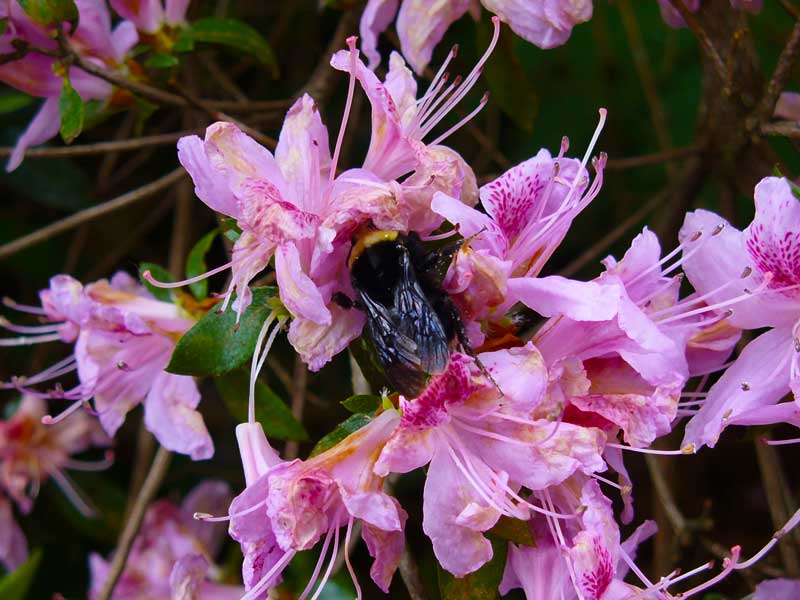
(780, 76)
(409, 571)
(791, 8)
(774, 482)
(323, 79)
(705, 41)
(783, 128)
(598, 247)
(656, 158)
(102, 147)
(151, 484)
(298, 402)
(89, 214)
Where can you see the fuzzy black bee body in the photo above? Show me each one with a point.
(411, 321)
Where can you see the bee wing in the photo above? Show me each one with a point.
(391, 345)
(418, 320)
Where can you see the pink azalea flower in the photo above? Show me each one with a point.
(421, 24)
(482, 449)
(293, 207)
(757, 273)
(33, 73)
(578, 558)
(150, 16)
(172, 556)
(31, 453)
(529, 210)
(123, 340)
(288, 507)
(674, 19)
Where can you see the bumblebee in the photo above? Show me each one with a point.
(411, 321)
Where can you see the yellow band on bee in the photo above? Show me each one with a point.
(370, 238)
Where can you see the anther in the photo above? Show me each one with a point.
(696, 236)
(797, 344)
(746, 273)
(718, 229)
(122, 365)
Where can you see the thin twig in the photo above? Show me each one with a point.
(774, 480)
(323, 79)
(151, 484)
(142, 459)
(89, 214)
(642, 63)
(606, 241)
(782, 128)
(791, 8)
(674, 515)
(409, 571)
(705, 41)
(780, 76)
(298, 402)
(656, 158)
(102, 147)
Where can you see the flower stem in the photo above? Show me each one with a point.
(149, 488)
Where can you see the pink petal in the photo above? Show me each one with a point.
(176, 11)
(459, 550)
(670, 14)
(471, 223)
(123, 38)
(421, 26)
(209, 184)
(778, 589)
(759, 378)
(13, 545)
(555, 295)
(541, 572)
(402, 87)
(317, 344)
(547, 23)
(44, 126)
(258, 457)
(147, 14)
(298, 292)
(186, 577)
(376, 18)
(512, 198)
(391, 152)
(386, 547)
(170, 415)
(406, 450)
(788, 106)
(304, 156)
(520, 373)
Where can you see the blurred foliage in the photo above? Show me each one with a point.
(537, 97)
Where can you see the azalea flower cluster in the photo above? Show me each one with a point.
(554, 380)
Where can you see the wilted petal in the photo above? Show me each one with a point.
(386, 547)
(788, 106)
(377, 16)
(170, 415)
(421, 24)
(176, 11)
(187, 577)
(753, 6)
(671, 15)
(298, 292)
(758, 378)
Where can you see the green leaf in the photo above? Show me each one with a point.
(196, 264)
(232, 33)
(3, 25)
(479, 585)
(230, 229)
(508, 82)
(513, 530)
(271, 411)
(352, 424)
(362, 403)
(216, 345)
(48, 12)
(161, 61)
(159, 273)
(71, 110)
(15, 585)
